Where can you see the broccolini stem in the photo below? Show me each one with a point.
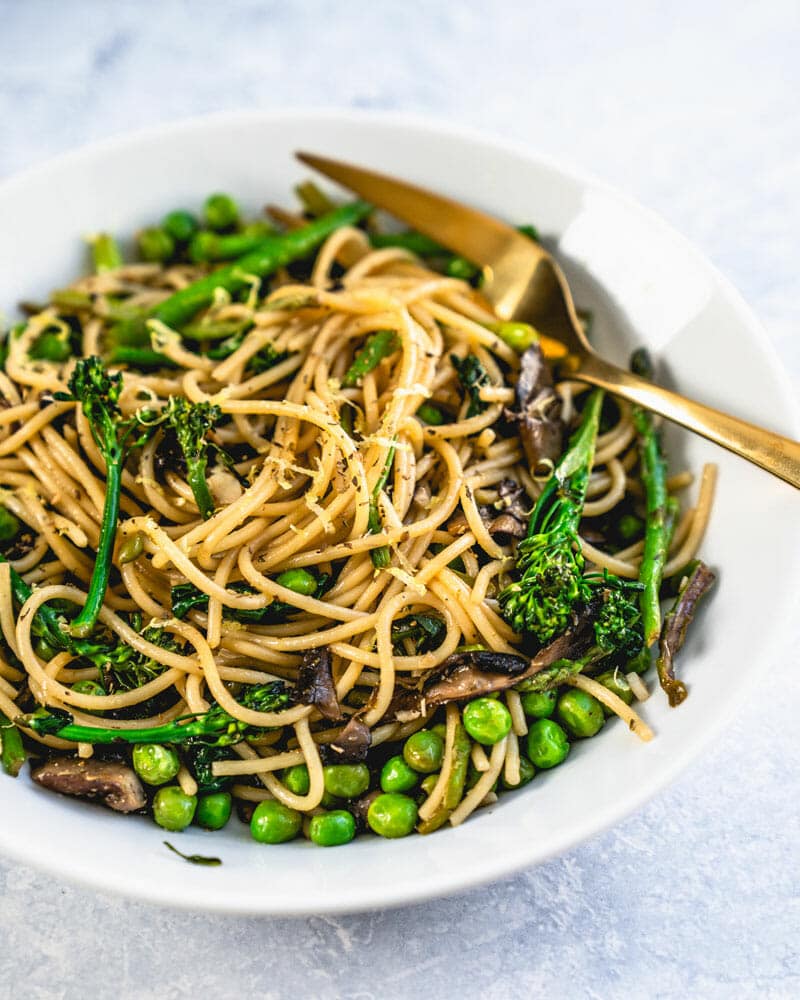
(381, 557)
(381, 344)
(86, 620)
(12, 752)
(271, 253)
(661, 510)
(178, 731)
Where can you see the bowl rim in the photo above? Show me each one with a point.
(501, 865)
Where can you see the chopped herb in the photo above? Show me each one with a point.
(194, 859)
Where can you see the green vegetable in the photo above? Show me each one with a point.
(381, 557)
(314, 201)
(131, 548)
(52, 345)
(519, 336)
(454, 791)
(487, 720)
(472, 376)
(214, 727)
(630, 527)
(397, 776)
(538, 704)
(547, 744)
(416, 243)
(527, 772)
(392, 815)
(549, 561)
(274, 823)
(425, 631)
(154, 763)
(213, 811)
(379, 345)
(173, 809)
(296, 779)
(273, 252)
(155, 244)
(194, 859)
(461, 268)
(615, 681)
(180, 225)
(346, 781)
(661, 509)
(191, 424)
(333, 828)
(106, 255)
(98, 393)
(10, 525)
(430, 414)
(427, 784)
(423, 751)
(185, 597)
(12, 752)
(89, 687)
(220, 211)
(298, 580)
(580, 712)
(215, 246)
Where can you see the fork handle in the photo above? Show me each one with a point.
(773, 452)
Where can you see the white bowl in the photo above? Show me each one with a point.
(645, 284)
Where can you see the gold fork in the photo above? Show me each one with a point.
(523, 282)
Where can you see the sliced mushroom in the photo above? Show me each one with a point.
(504, 520)
(115, 784)
(538, 412)
(468, 675)
(352, 744)
(673, 635)
(315, 683)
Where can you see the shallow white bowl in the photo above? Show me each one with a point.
(645, 284)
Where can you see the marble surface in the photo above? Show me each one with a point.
(690, 107)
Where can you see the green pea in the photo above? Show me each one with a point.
(331, 829)
(347, 781)
(131, 548)
(298, 580)
(274, 823)
(180, 225)
(214, 811)
(203, 246)
(580, 712)
(397, 776)
(519, 336)
(547, 744)
(527, 772)
(430, 414)
(220, 211)
(154, 763)
(296, 779)
(173, 809)
(392, 815)
(539, 704)
(423, 751)
(487, 720)
(615, 681)
(155, 244)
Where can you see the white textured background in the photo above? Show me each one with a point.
(692, 108)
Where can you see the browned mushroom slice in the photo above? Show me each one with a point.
(468, 675)
(315, 683)
(673, 634)
(352, 743)
(538, 412)
(116, 785)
